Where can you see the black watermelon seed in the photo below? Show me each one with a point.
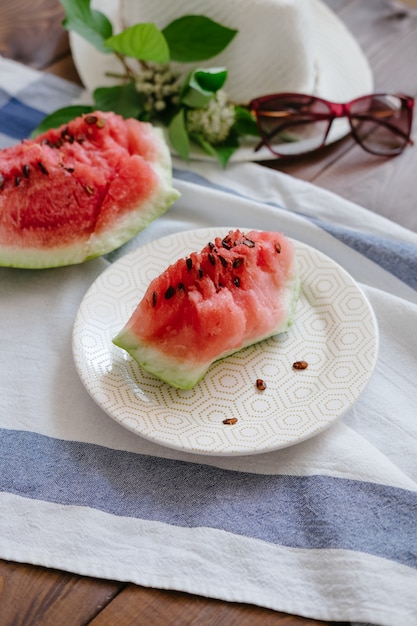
(212, 258)
(17, 181)
(90, 119)
(26, 170)
(200, 272)
(236, 281)
(189, 263)
(226, 243)
(169, 292)
(223, 261)
(154, 298)
(211, 245)
(278, 247)
(43, 168)
(237, 262)
(1, 180)
(181, 287)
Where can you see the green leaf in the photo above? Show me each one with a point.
(200, 86)
(245, 123)
(122, 99)
(196, 38)
(211, 79)
(90, 24)
(222, 152)
(141, 41)
(178, 136)
(59, 117)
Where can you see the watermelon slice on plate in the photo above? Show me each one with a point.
(241, 288)
(81, 190)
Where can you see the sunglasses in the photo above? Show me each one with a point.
(291, 124)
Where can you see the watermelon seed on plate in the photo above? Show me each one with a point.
(300, 365)
(230, 421)
(260, 384)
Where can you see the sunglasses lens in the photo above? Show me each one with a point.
(292, 124)
(381, 123)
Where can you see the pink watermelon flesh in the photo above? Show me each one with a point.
(235, 292)
(81, 190)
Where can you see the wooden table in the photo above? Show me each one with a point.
(31, 32)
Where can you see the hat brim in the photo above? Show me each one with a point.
(343, 71)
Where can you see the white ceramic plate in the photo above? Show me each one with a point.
(343, 73)
(334, 331)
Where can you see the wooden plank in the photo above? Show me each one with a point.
(31, 32)
(32, 595)
(138, 605)
(387, 30)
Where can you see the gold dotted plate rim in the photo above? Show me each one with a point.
(334, 330)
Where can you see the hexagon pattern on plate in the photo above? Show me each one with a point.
(334, 331)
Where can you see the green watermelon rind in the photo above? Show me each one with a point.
(163, 196)
(161, 199)
(189, 373)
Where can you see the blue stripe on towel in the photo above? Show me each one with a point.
(297, 511)
(398, 258)
(17, 119)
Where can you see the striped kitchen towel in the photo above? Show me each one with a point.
(324, 528)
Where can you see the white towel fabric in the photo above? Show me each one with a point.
(324, 529)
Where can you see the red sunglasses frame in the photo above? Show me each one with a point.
(336, 110)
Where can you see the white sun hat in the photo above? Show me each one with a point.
(281, 46)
